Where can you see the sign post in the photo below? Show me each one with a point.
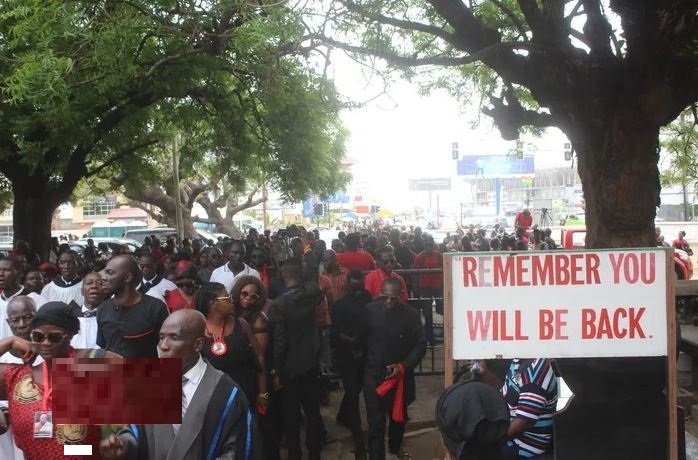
(563, 304)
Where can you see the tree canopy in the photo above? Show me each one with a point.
(88, 86)
(607, 73)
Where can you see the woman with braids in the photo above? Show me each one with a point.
(230, 345)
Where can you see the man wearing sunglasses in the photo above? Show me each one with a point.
(395, 345)
(386, 265)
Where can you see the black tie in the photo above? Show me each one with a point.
(89, 313)
(146, 287)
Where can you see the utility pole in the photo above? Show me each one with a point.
(685, 202)
(175, 182)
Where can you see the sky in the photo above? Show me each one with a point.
(402, 135)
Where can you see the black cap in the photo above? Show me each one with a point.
(57, 314)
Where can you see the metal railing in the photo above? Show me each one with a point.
(433, 361)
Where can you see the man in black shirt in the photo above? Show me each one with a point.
(349, 339)
(128, 323)
(395, 346)
(296, 359)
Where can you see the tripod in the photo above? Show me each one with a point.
(546, 220)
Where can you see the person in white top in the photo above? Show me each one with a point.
(87, 313)
(234, 252)
(10, 288)
(153, 284)
(67, 286)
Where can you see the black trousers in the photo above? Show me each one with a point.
(377, 411)
(302, 391)
(351, 372)
(426, 308)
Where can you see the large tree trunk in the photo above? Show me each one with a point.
(618, 402)
(32, 213)
(618, 168)
(167, 214)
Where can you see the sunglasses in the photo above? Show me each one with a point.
(393, 298)
(53, 337)
(252, 297)
(224, 298)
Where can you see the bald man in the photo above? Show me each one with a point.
(93, 295)
(128, 321)
(20, 313)
(211, 403)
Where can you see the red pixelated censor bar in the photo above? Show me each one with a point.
(101, 391)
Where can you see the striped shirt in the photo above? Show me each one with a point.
(530, 390)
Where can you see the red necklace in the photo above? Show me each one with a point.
(218, 347)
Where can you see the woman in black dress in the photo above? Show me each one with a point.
(230, 345)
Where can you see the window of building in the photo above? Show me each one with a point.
(99, 207)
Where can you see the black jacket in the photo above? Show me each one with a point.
(295, 334)
(394, 336)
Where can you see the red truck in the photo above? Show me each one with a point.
(573, 238)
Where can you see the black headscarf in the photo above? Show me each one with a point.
(57, 314)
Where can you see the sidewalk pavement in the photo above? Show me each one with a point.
(422, 440)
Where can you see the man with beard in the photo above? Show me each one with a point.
(87, 313)
(128, 322)
(10, 274)
(67, 286)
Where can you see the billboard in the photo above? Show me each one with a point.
(548, 304)
(495, 166)
(430, 184)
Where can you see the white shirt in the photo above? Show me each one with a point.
(5, 330)
(54, 293)
(225, 276)
(193, 376)
(158, 291)
(87, 337)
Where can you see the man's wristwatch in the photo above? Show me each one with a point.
(266, 395)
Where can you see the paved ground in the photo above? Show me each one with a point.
(422, 441)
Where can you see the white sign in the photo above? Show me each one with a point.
(559, 304)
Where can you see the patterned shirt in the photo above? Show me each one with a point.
(530, 390)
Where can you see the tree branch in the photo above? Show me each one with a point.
(510, 116)
(120, 156)
(514, 19)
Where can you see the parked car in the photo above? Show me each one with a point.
(112, 244)
(574, 237)
(162, 233)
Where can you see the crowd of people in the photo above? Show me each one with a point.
(267, 320)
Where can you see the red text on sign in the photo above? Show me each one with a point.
(551, 324)
(618, 323)
(495, 325)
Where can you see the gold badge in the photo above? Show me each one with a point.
(71, 434)
(25, 391)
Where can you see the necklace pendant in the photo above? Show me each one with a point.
(219, 348)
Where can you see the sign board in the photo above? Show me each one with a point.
(495, 166)
(564, 304)
(559, 304)
(426, 185)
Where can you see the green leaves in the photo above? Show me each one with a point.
(680, 142)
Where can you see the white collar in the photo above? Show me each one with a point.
(245, 268)
(150, 280)
(86, 308)
(196, 373)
